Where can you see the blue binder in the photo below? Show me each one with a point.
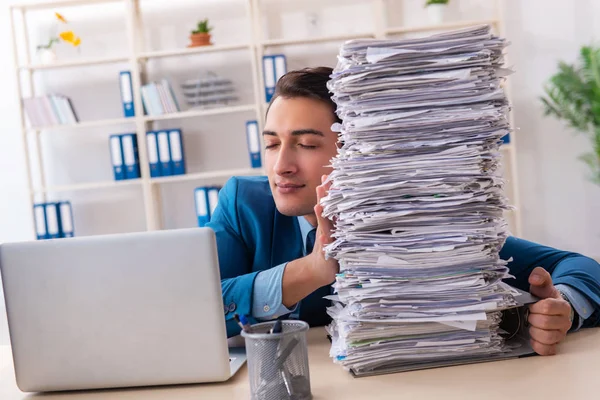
(164, 153)
(177, 154)
(65, 220)
(506, 139)
(253, 140)
(52, 224)
(127, 93)
(130, 156)
(213, 199)
(280, 66)
(116, 156)
(152, 145)
(269, 77)
(202, 205)
(39, 215)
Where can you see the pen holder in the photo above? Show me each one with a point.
(278, 362)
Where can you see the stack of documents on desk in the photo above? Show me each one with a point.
(418, 197)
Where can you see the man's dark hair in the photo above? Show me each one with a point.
(307, 82)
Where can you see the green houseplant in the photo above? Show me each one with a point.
(573, 95)
(436, 10)
(201, 35)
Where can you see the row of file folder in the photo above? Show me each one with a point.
(274, 67)
(165, 154)
(419, 200)
(124, 156)
(206, 200)
(49, 110)
(53, 220)
(158, 98)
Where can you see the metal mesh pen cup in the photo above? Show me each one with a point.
(278, 362)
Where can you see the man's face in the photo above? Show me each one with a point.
(299, 144)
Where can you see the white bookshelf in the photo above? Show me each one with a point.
(136, 58)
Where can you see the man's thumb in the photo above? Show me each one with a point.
(540, 283)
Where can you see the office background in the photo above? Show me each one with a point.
(558, 206)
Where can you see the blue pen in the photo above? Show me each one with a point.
(245, 324)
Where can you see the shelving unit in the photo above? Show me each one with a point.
(136, 60)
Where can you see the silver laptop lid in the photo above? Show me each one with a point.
(117, 310)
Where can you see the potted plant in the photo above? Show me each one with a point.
(573, 95)
(201, 35)
(46, 51)
(436, 10)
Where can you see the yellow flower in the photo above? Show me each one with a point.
(69, 37)
(60, 17)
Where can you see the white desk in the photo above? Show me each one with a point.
(572, 374)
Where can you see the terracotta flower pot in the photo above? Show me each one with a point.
(199, 39)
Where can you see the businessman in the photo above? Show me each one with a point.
(270, 232)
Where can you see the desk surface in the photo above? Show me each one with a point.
(570, 374)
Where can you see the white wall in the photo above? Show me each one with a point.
(559, 207)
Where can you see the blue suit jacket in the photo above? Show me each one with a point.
(253, 236)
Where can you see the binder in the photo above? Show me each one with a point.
(202, 210)
(152, 145)
(116, 155)
(213, 199)
(269, 77)
(506, 139)
(130, 156)
(280, 66)
(126, 94)
(164, 153)
(176, 146)
(65, 213)
(39, 216)
(52, 228)
(253, 139)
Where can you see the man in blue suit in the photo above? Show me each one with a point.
(270, 232)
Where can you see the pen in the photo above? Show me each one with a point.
(277, 327)
(243, 322)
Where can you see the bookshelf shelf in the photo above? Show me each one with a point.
(85, 125)
(322, 39)
(90, 186)
(445, 26)
(192, 51)
(208, 175)
(201, 113)
(75, 63)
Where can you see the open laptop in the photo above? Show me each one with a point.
(118, 310)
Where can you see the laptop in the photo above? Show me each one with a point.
(120, 310)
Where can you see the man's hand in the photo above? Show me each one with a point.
(550, 318)
(303, 276)
(323, 270)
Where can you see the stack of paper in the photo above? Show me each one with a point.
(418, 199)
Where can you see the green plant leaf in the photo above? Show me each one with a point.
(572, 95)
